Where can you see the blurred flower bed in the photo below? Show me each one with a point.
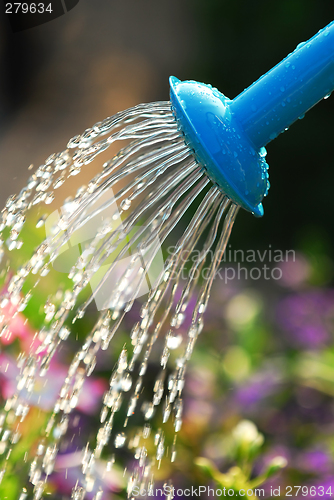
(258, 398)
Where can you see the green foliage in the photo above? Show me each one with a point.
(247, 443)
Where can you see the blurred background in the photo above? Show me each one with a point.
(261, 382)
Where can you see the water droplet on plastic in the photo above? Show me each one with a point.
(125, 204)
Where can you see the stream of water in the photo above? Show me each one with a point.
(125, 214)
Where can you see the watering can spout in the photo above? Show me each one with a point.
(228, 137)
(284, 94)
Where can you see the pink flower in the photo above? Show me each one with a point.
(47, 388)
(14, 325)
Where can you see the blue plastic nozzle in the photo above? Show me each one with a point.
(228, 137)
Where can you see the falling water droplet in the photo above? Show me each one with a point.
(174, 341)
(120, 440)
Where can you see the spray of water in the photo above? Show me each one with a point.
(143, 193)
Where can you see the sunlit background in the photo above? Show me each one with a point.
(261, 383)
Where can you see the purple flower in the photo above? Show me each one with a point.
(307, 318)
(260, 386)
(324, 488)
(315, 461)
